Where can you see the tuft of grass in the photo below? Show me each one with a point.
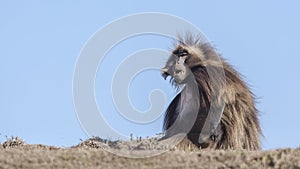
(13, 142)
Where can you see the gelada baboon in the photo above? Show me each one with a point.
(238, 126)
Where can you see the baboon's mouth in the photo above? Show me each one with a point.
(177, 72)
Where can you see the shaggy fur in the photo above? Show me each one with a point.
(239, 125)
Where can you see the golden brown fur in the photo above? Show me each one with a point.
(239, 126)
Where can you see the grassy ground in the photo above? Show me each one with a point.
(93, 153)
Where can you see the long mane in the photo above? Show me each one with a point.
(239, 126)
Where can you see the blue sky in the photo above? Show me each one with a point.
(41, 40)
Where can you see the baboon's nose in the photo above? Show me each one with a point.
(164, 72)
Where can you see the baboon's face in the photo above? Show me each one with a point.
(181, 71)
(175, 65)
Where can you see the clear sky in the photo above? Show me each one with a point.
(40, 42)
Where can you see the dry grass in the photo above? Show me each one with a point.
(91, 153)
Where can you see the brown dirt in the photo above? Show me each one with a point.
(92, 153)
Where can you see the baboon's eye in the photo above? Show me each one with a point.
(180, 52)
